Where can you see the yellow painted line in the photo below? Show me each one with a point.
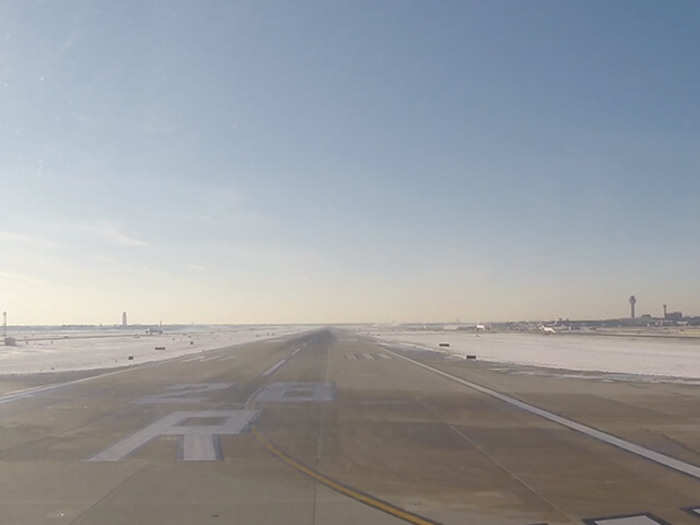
(342, 489)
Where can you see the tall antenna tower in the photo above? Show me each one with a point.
(665, 313)
(633, 301)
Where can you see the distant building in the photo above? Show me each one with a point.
(124, 323)
(674, 316)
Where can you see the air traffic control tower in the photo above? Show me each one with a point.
(633, 301)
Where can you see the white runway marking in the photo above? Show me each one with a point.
(384, 356)
(295, 393)
(184, 393)
(199, 447)
(662, 459)
(199, 443)
(30, 392)
(635, 519)
(274, 367)
(369, 356)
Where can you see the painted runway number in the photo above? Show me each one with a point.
(198, 432)
(184, 393)
(296, 393)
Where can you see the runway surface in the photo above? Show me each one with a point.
(330, 427)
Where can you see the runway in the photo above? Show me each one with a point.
(330, 427)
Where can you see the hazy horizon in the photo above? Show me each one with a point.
(262, 163)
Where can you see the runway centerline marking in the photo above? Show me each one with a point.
(652, 455)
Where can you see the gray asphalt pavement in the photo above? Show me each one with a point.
(328, 427)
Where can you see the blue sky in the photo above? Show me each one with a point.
(348, 161)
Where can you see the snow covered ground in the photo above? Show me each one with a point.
(642, 356)
(104, 348)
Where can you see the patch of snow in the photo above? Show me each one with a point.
(62, 350)
(638, 356)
